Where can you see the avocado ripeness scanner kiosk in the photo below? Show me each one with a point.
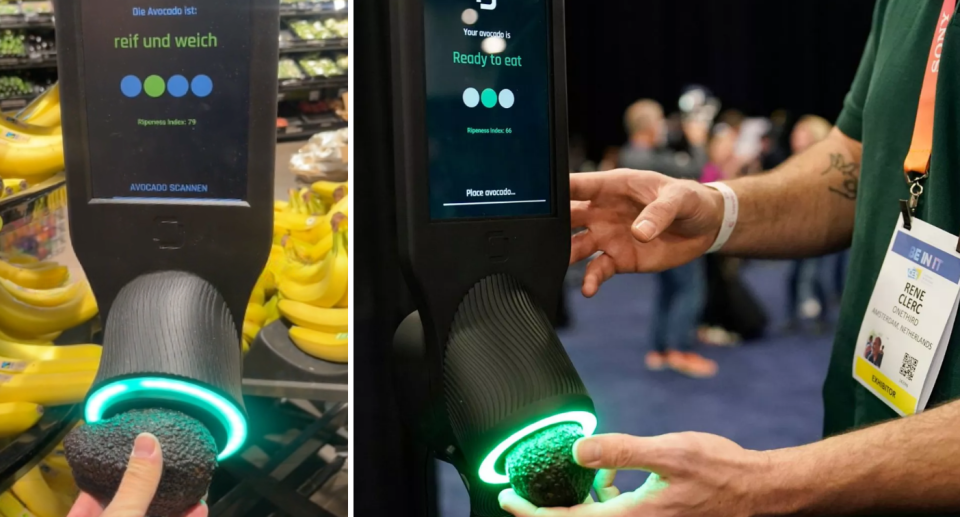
(482, 187)
(169, 138)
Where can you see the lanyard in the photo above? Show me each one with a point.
(917, 165)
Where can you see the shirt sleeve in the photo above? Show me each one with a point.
(850, 121)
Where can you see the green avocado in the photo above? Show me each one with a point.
(542, 469)
(98, 455)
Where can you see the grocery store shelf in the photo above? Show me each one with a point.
(21, 21)
(11, 103)
(305, 126)
(275, 367)
(288, 47)
(42, 187)
(21, 63)
(313, 12)
(314, 83)
(19, 455)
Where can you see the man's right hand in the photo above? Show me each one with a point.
(641, 221)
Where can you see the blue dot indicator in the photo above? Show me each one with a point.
(131, 86)
(178, 86)
(201, 85)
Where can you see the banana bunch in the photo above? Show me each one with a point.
(44, 491)
(48, 490)
(31, 141)
(258, 313)
(39, 298)
(308, 270)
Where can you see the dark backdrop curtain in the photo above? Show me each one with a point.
(756, 55)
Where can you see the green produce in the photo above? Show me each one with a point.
(343, 62)
(12, 44)
(311, 30)
(289, 70)
(8, 8)
(98, 454)
(542, 469)
(12, 86)
(317, 66)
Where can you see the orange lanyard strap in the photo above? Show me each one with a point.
(918, 159)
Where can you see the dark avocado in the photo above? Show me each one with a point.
(542, 470)
(98, 454)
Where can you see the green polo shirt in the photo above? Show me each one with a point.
(880, 111)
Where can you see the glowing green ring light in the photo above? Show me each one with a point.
(488, 472)
(172, 389)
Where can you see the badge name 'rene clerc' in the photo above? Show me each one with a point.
(910, 317)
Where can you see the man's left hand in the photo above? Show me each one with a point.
(692, 474)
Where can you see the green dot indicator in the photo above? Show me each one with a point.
(489, 97)
(154, 86)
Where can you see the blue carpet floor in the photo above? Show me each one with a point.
(766, 395)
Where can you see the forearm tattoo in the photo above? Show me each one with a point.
(849, 173)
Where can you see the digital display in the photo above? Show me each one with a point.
(488, 108)
(167, 91)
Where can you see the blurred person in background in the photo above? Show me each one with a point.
(806, 293)
(731, 313)
(682, 289)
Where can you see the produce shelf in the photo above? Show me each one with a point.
(26, 21)
(22, 63)
(11, 103)
(319, 11)
(314, 83)
(19, 455)
(305, 126)
(290, 47)
(276, 368)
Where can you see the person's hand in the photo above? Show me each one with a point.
(642, 221)
(692, 475)
(137, 488)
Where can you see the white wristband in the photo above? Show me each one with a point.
(731, 209)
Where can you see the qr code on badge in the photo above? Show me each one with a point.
(909, 366)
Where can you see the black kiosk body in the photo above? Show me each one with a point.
(480, 134)
(168, 122)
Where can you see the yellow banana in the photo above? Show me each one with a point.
(244, 346)
(329, 347)
(280, 206)
(47, 277)
(314, 252)
(24, 319)
(49, 353)
(51, 389)
(39, 339)
(333, 321)
(18, 366)
(344, 302)
(272, 310)
(44, 110)
(255, 314)
(10, 506)
(332, 286)
(19, 258)
(256, 296)
(250, 330)
(45, 297)
(32, 157)
(60, 481)
(330, 191)
(17, 417)
(37, 495)
(14, 186)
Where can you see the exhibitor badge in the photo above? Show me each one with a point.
(911, 313)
